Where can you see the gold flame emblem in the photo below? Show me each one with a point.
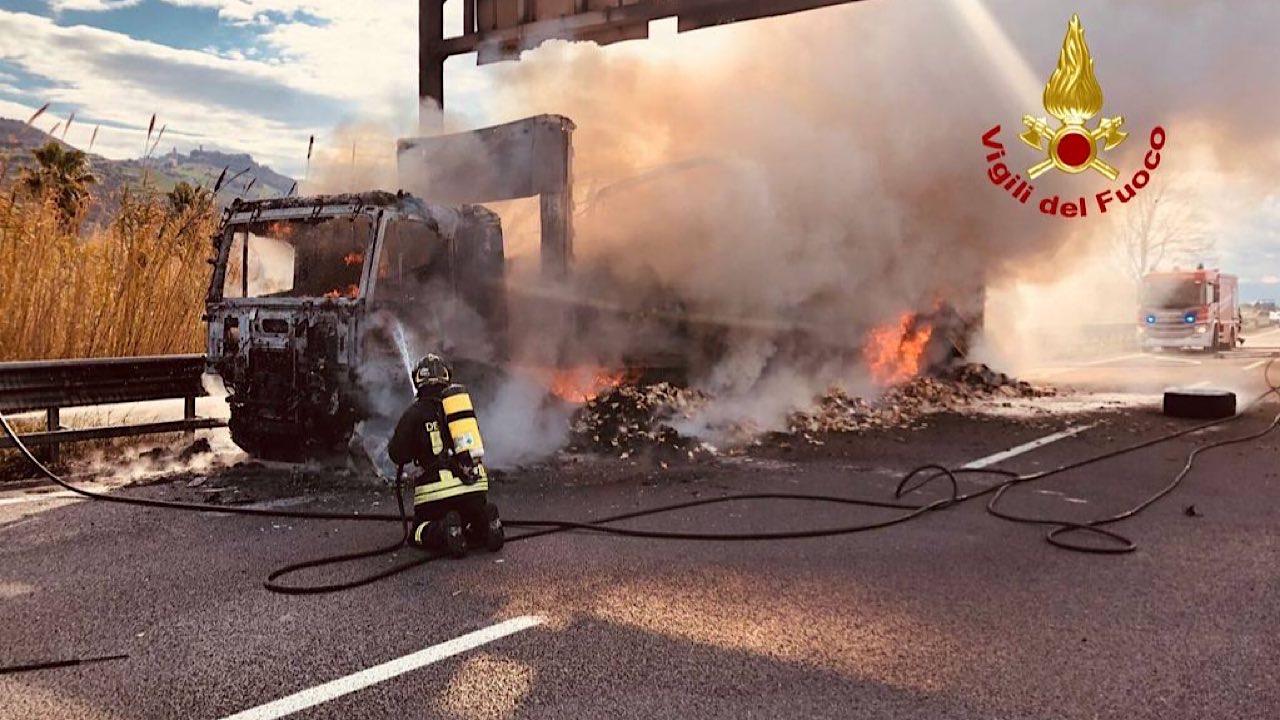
(1073, 96)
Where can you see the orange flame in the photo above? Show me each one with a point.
(281, 229)
(894, 352)
(580, 385)
(353, 258)
(350, 292)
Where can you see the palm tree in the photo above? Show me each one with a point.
(63, 174)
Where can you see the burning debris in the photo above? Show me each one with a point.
(579, 385)
(952, 389)
(630, 419)
(894, 353)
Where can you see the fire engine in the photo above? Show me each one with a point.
(1197, 309)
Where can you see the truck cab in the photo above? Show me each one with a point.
(1196, 309)
(308, 295)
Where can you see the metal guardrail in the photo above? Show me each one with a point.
(51, 385)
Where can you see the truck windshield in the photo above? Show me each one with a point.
(298, 258)
(1172, 292)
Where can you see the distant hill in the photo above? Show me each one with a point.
(199, 167)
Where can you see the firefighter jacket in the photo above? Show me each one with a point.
(422, 437)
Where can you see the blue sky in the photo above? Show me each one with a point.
(252, 75)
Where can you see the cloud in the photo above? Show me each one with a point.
(312, 65)
(260, 106)
(91, 5)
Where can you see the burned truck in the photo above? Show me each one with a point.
(304, 296)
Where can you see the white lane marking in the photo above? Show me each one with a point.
(1117, 358)
(35, 498)
(55, 495)
(1255, 365)
(1058, 370)
(378, 673)
(1026, 447)
(1184, 361)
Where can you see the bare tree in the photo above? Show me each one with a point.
(1157, 229)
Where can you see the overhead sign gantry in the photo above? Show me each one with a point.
(499, 30)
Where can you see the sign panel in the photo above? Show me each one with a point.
(501, 29)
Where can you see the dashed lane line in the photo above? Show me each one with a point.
(379, 673)
(1076, 367)
(52, 495)
(1025, 447)
(1117, 358)
(1183, 361)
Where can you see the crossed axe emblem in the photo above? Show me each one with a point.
(1042, 137)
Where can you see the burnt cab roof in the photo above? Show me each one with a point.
(445, 218)
(373, 198)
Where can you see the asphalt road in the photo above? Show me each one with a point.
(954, 615)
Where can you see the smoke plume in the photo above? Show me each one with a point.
(824, 170)
(818, 189)
(801, 180)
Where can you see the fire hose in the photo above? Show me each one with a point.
(915, 479)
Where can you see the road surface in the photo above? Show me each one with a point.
(955, 615)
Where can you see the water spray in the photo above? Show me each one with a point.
(402, 344)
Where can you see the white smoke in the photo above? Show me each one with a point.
(823, 172)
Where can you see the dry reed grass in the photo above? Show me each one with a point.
(134, 285)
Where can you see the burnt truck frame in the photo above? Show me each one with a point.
(296, 361)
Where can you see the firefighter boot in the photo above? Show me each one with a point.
(484, 529)
(451, 534)
(494, 535)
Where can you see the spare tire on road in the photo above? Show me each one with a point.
(1199, 403)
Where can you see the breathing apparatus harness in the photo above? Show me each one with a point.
(1059, 535)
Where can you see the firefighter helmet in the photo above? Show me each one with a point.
(431, 370)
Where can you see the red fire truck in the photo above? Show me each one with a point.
(1197, 309)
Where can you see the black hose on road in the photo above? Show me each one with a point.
(926, 474)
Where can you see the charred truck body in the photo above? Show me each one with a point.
(301, 294)
(1195, 309)
(308, 295)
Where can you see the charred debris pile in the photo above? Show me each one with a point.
(633, 418)
(643, 418)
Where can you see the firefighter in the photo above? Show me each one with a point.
(439, 434)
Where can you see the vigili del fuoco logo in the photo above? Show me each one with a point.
(1073, 97)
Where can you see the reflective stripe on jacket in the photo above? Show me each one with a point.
(449, 485)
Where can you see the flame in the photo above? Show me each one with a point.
(281, 229)
(1073, 94)
(894, 352)
(580, 385)
(350, 292)
(353, 258)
